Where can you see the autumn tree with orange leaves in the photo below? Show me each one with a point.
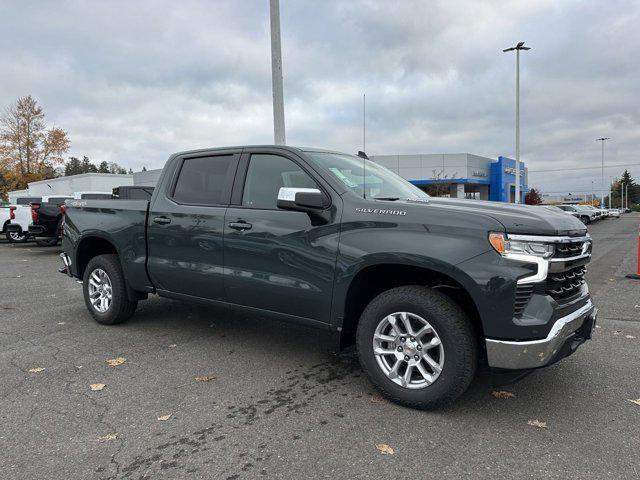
(28, 150)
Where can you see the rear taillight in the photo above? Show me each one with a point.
(34, 211)
(12, 213)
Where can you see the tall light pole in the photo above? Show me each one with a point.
(519, 46)
(622, 195)
(626, 195)
(602, 139)
(276, 74)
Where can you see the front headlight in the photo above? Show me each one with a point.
(505, 246)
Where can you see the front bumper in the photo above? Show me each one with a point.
(566, 334)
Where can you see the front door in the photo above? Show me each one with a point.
(278, 260)
(186, 224)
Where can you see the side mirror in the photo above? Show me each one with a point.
(301, 199)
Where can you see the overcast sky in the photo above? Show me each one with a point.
(134, 81)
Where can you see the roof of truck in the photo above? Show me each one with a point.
(277, 147)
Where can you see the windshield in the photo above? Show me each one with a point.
(370, 181)
(583, 208)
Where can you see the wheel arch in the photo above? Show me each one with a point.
(94, 244)
(373, 279)
(91, 246)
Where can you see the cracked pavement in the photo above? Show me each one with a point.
(280, 404)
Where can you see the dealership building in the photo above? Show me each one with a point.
(459, 175)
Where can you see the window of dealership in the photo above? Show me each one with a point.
(459, 175)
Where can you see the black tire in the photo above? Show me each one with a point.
(47, 242)
(121, 307)
(585, 220)
(14, 237)
(455, 332)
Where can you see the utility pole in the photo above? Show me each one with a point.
(276, 74)
(622, 195)
(364, 122)
(519, 46)
(602, 139)
(626, 195)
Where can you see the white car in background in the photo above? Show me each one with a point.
(586, 215)
(614, 212)
(20, 217)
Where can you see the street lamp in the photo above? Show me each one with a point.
(519, 46)
(603, 139)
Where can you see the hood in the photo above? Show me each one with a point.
(521, 219)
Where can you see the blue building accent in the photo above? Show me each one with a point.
(503, 180)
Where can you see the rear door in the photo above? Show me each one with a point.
(279, 260)
(186, 223)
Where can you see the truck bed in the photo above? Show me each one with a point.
(121, 222)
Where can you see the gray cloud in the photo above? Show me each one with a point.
(134, 81)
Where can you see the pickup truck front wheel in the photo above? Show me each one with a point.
(417, 347)
(105, 291)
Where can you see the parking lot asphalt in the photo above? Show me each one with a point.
(278, 404)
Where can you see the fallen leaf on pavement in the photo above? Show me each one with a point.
(384, 449)
(36, 370)
(598, 326)
(629, 336)
(617, 332)
(96, 387)
(173, 345)
(375, 398)
(61, 323)
(537, 423)
(204, 378)
(108, 437)
(502, 394)
(164, 418)
(637, 402)
(116, 361)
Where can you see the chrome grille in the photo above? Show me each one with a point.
(567, 250)
(563, 285)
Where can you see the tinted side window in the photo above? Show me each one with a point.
(59, 200)
(203, 180)
(265, 176)
(95, 196)
(27, 200)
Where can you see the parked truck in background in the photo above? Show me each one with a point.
(19, 219)
(132, 192)
(46, 220)
(428, 289)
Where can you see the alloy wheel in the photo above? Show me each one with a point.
(408, 350)
(100, 290)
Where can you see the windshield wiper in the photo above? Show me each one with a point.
(391, 199)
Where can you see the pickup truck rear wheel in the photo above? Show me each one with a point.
(105, 291)
(417, 347)
(15, 237)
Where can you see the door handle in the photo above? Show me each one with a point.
(161, 220)
(240, 226)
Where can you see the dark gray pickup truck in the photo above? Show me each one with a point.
(429, 290)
